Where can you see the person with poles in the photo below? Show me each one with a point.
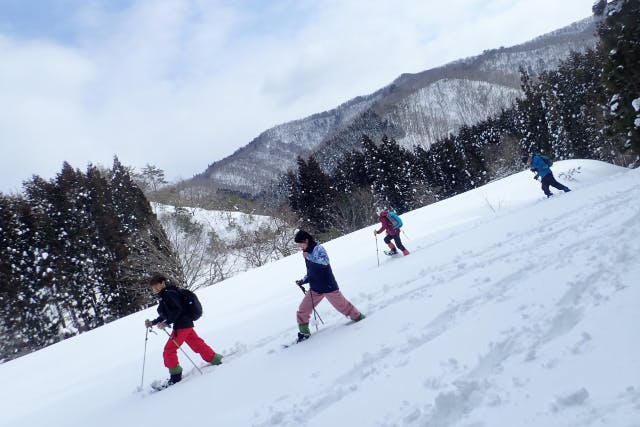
(172, 311)
(391, 223)
(541, 166)
(322, 284)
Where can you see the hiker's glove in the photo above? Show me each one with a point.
(375, 232)
(299, 283)
(536, 177)
(148, 323)
(161, 325)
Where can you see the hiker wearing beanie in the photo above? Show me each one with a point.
(322, 284)
(173, 311)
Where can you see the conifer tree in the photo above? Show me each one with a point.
(75, 252)
(350, 173)
(24, 322)
(390, 173)
(148, 246)
(532, 117)
(312, 195)
(619, 43)
(354, 206)
(48, 206)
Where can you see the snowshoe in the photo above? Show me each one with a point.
(301, 337)
(158, 385)
(392, 252)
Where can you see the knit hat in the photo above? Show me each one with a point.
(301, 236)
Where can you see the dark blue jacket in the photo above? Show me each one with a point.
(171, 310)
(319, 274)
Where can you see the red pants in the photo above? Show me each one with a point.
(192, 339)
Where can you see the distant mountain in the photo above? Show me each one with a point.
(415, 109)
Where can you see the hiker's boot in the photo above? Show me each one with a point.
(405, 252)
(303, 332)
(217, 359)
(302, 337)
(176, 375)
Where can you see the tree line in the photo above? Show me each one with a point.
(589, 107)
(74, 254)
(74, 250)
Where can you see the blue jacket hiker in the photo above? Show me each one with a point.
(322, 284)
(538, 165)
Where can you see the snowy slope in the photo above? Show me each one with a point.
(224, 223)
(512, 310)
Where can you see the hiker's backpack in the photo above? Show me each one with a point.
(396, 222)
(191, 303)
(546, 159)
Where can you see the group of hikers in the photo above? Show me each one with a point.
(319, 276)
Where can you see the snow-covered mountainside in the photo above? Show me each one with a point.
(213, 245)
(274, 151)
(442, 107)
(415, 109)
(511, 310)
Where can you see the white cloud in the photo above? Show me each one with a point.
(182, 84)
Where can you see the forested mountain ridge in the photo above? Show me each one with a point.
(415, 109)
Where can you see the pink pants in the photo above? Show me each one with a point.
(192, 339)
(311, 299)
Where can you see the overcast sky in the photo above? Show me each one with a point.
(181, 84)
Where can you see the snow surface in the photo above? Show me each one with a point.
(512, 310)
(225, 224)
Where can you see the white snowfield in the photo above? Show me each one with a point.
(512, 310)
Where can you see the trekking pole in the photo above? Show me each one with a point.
(316, 316)
(375, 236)
(405, 235)
(144, 358)
(183, 352)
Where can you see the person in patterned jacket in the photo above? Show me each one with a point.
(322, 284)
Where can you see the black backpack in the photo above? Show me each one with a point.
(191, 303)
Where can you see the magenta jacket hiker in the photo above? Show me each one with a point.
(387, 225)
(392, 234)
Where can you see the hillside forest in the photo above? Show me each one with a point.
(75, 250)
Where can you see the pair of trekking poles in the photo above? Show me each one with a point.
(316, 316)
(144, 357)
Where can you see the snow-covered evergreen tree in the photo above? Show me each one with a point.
(75, 253)
(620, 43)
(390, 173)
(312, 195)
